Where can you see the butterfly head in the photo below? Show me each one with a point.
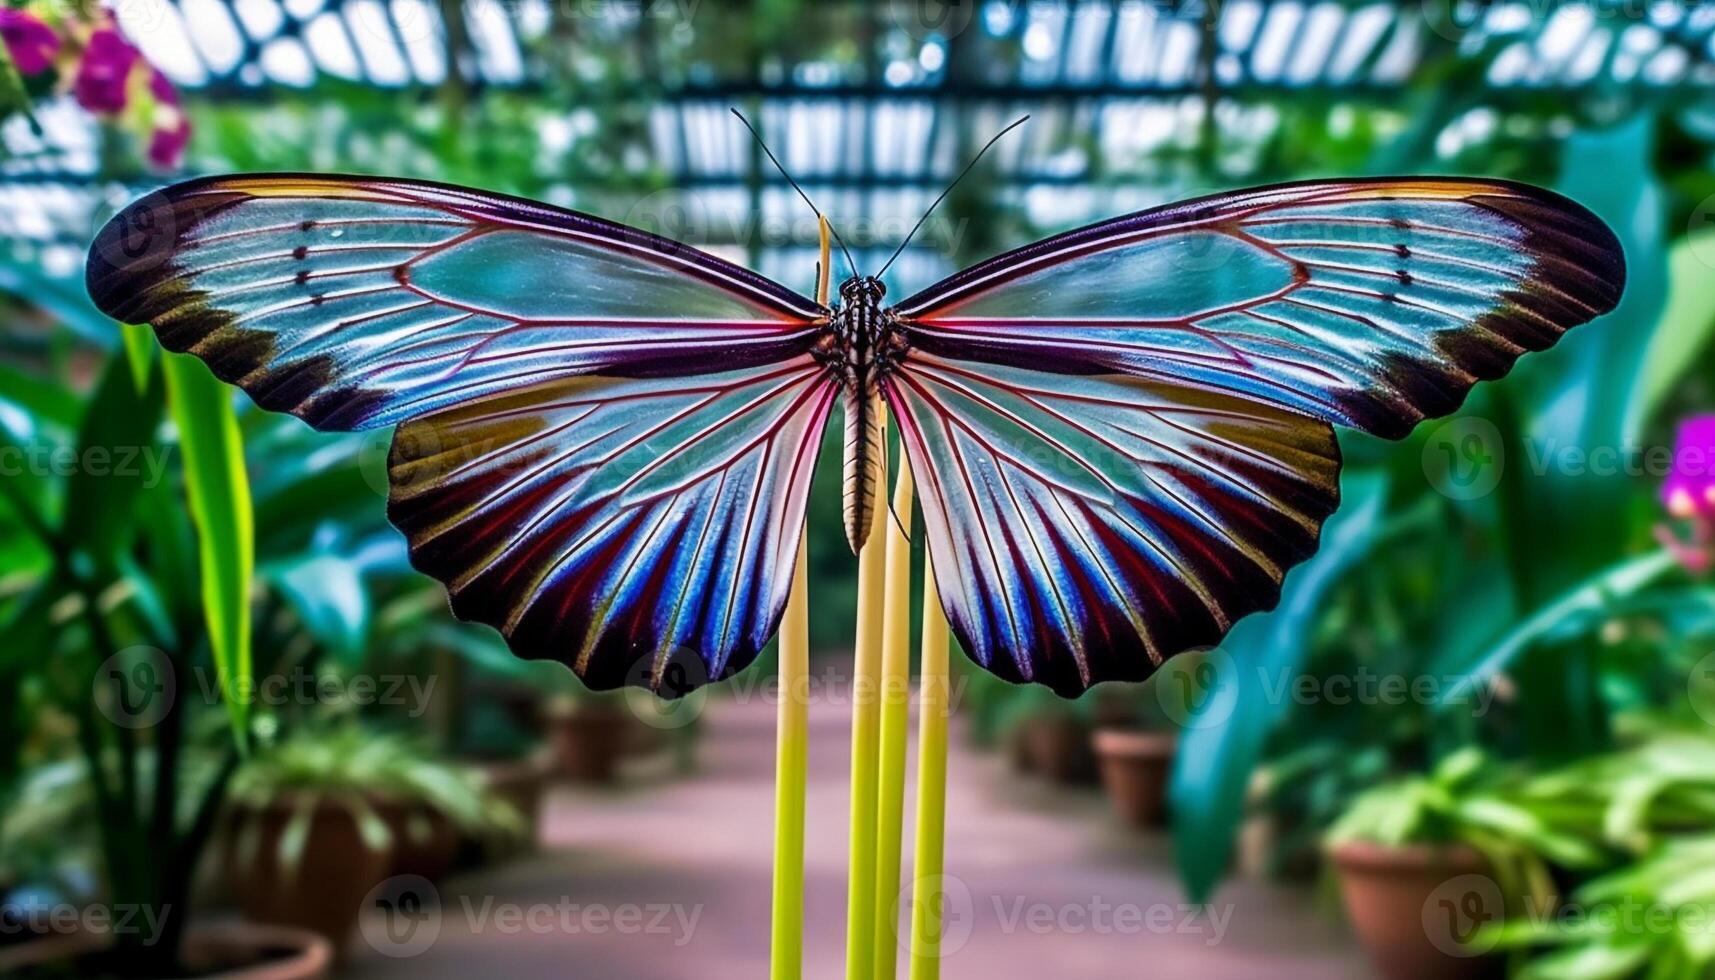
(862, 291)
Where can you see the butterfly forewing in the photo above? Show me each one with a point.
(1372, 304)
(355, 303)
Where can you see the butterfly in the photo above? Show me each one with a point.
(1122, 436)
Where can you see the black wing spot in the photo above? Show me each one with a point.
(301, 253)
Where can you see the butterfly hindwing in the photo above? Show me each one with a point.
(641, 530)
(1085, 528)
(1367, 303)
(355, 302)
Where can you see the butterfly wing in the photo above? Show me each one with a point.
(1122, 435)
(1084, 529)
(1372, 304)
(642, 530)
(605, 438)
(355, 302)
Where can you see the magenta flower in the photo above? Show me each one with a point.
(172, 129)
(30, 42)
(104, 74)
(1689, 490)
(167, 143)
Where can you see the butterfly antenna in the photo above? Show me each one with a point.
(914, 228)
(776, 161)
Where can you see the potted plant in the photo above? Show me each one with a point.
(321, 818)
(1425, 862)
(588, 734)
(510, 765)
(1053, 736)
(108, 597)
(1134, 742)
(1661, 908)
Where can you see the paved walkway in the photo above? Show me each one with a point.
(668, 878)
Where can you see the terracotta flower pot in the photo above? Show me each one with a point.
(1058, 749)
(425, 840)
(230, 951)
(1415, 908)
(588, 742)
(521, 783)
(335, 868)
(1135, 767)
(248, 951)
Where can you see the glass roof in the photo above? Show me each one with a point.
(877, 112)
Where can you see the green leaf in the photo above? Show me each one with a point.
(219, 491)
(65, 299)
(41, 403)
(1685, 326)
(1591, 962)
(117, 458)
(1212, 772)
(1617, 581)
(139, 350)
(328, 594)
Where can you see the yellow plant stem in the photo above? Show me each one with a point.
(791, 766)
(792, 744)
(866, 672)
(895, 693)
(934, 703)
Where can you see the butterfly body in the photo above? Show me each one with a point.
(862, 343)
(1122, 437)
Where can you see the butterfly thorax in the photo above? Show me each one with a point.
(861, 344)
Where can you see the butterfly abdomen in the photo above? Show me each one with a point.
(862, 454)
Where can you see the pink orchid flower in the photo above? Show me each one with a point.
(29, 41)
(103, 76)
